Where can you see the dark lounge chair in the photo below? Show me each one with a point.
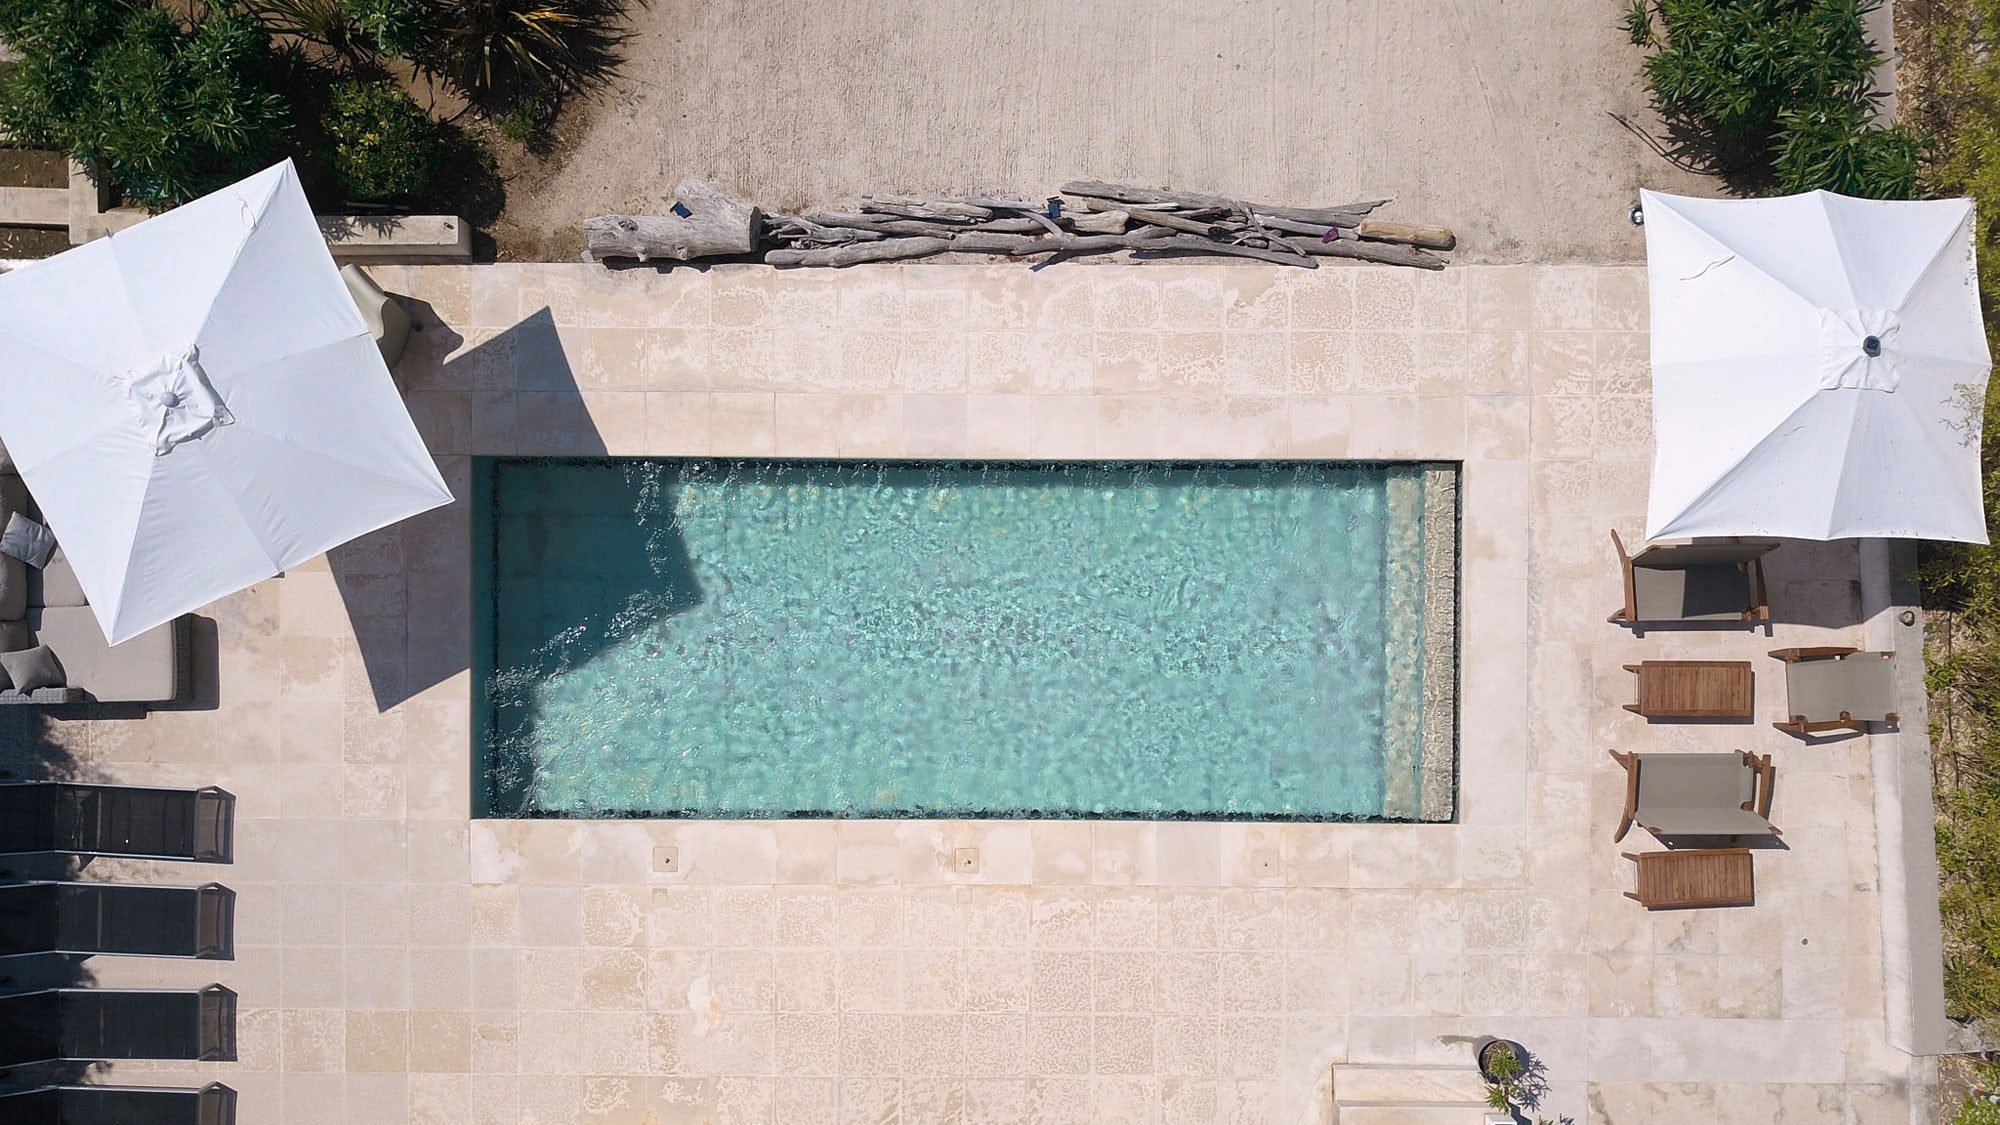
(84, 1024)
(142, 921)
(116, 820)
(213, 1104)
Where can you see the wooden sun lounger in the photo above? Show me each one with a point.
(1679, 796)
(1835, 688)
(1709, 583)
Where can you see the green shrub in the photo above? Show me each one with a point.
(352, 32)
(166, 109)
(384, 147)
(1773, 94)
(503, 53)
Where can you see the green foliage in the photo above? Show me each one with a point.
(166, 109)
(1980, 1110)
(1773, 94)
(352, 33)
(383, 145)
(396, 27)
(504, 53)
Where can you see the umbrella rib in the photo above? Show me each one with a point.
(1723, 478)
(257, 211)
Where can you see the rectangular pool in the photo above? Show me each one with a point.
(711, 638)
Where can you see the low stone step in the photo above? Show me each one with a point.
(1404, 1085)
(1439, 1114)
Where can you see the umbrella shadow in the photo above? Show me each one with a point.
(408, 588)
(1816, 584)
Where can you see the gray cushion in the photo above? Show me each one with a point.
(14, 636)
(55, 584)
(13, 588)
(142, 670)
(1693, 593)
(27, 540)
(33, 668)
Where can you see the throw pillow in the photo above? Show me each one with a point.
(15, 636)
(27, 540)
(33, 668)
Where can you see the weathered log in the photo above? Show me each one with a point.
(1388, 253)
(889, 249)
(1099, 222)
(715, 226)
(1126, 193)
(783, 226)
(1430, 238)
(1093, 243)
(924, 208)
(979, 241)
(1294, 226)
(1189, 244)
(919, 227)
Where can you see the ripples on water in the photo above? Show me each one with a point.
(733, 639)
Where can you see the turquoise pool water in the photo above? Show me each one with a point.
(763, 638)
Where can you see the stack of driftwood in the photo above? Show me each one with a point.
(1087, 218)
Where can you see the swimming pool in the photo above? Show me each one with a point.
(770, 638)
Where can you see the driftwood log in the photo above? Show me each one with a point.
(1089, 217)
(1430, 238)
(714, 226)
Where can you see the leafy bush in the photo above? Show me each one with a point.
(166, 109)
(1774, 94)
(383, 145)
(504, 53)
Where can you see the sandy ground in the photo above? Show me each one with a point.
(1493, 118)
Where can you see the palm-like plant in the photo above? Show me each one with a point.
(501, 52)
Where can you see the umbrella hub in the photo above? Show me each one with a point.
(175, 400)
(1857, 350)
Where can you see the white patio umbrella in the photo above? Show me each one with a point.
(196, 405)
(1819, 367)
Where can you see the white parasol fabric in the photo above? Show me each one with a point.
(1819, 368)
(196, 405)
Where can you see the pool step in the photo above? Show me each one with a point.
(1408, 1095)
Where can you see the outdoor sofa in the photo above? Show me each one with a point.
(1832, 688)
(117, 918)
(1678, 797)
(44, 606)
(87, 1024)
(131, 821)
(213, 1104)
(1710, 582)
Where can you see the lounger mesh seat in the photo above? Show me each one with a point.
(213, 1104)
(1702, 583)
(116, 820)
(89, 918)
(1830, 688)
(1697, 795)
(87, 1023)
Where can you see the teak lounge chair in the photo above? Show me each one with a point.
(213, 1104)
(1696, 795)
(116, 820)
(87, 1024)
(140, 921)
(1712, 582)
(1836, 688)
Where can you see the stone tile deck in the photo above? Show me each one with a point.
(399, 962)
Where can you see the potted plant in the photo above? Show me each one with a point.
(1513, 1079)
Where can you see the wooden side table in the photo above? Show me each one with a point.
(1705, 877)
(1694, 689)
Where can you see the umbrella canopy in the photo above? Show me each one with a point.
(1819, 368)
(196, 405)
